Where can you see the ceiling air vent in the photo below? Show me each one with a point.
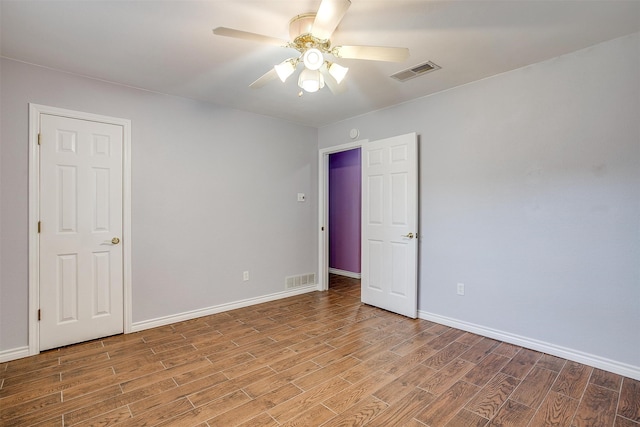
(415, 71)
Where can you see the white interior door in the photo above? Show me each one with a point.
(81, 223)
(390, 224)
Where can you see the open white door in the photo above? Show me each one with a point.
(390, 224)
(81, 214)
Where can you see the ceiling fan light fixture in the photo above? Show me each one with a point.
(338, 72)
(310, 80)
(285, 69)
(313, 59)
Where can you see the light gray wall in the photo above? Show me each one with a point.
(213, 194)
(530, 196)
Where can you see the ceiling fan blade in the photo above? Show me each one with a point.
(373, 53)
(264, 79)
(329, 15)
(245, 35)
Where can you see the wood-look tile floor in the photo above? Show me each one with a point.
(316, 359)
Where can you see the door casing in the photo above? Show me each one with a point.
(35, 110)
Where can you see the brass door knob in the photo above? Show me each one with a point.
(410, 235)
(115, 240)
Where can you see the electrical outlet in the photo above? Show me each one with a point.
(460, 288)
(245, 276)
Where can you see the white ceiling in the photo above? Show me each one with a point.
(168, 46)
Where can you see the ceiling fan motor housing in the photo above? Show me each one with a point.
(300, 29)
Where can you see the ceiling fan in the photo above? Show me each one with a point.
(310, 35)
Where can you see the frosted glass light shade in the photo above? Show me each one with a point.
(284, 70)
(311, 80)
(338, 72)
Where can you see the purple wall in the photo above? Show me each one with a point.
(344, 210)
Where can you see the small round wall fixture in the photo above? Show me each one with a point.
(354, 133)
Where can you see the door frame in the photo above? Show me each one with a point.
(35, 110)
(323, 208)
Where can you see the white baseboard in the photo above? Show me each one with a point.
(13, 354)
(555, 350)
(345, 273)
(181, 317)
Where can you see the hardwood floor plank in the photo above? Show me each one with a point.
(33, 390)
(445, 356)
(262, 420)
(486, 369)
(81, 388)
(358, 415)
(314, 416)
(624, 422)
(445, 378)
(31, 406)
(380, 361)
(492, 396)
(254, 407)
(551, 363)
(597, 408)
(606, 379)
(471, 339)
(522, 363)
(358, 391)
(158, 414)
(572, 379)
(445, 406)
(50, 411)
(512, 414)
(307, 400)
(507, 350)
(533, 389)
(376, 347)
(556, 410)
(444, 339)
(212, 393)
(402, 385)
(155, 377)
(479, 350)
(109, 418)
(280, 379)
(181, 392)
(326, 372)
(409, 361)
(298, 357)
(630, 399)
(416, 341)
(211, 409)
(107, 405)
(404, 409)
(340, 352)
(465, 418)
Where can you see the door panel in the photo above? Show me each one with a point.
(390, 224)
(81, 270)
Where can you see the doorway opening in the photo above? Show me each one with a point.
(340, 265)
(345, 193)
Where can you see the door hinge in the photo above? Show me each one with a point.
(39, 314)
(39, 226)
(39, 138)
